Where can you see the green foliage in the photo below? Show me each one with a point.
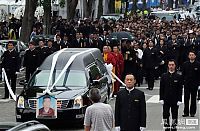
(47, 3)
(62, 3)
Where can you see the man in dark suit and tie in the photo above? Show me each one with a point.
(130, 107)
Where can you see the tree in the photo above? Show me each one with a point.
(87, 8)
(28, 18)
(47, 15)
(100, 8)
(71, 8)
(112, 6)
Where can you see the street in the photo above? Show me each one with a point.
(154, 112)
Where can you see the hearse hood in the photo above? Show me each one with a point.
(62, 93)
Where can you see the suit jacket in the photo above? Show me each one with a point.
(57, 45)
(171, 88)
(130, 110)
(31, 59)
(42, 52)
(10, 61)
(191, 73)
(150, 58)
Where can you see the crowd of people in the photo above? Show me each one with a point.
(157, 42)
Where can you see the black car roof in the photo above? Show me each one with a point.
(79, 63)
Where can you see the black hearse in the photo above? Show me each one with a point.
(86, 71)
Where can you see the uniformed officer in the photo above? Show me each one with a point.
(50, 48)
(171, 95)
(11, 64)
(31, 60)
(191, 75)
(150, 61)
(42, 51)
(130, 107)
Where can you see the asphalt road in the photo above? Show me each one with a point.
(154, 112)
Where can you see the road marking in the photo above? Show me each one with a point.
(20, 87)
(155, 99)
(143, 87)
(17, 79)
(5, 100)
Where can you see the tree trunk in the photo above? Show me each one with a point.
(71, 8)
(100, 9)
(28, 18)
(87, 8)
(47, 16)
(112, 6)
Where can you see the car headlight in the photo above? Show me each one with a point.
(20, 102)
(78, 102)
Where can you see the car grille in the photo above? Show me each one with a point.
(61, 103)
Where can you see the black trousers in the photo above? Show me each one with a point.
(190, 92)
(29, 73)
(150, 74)
(166, 114)
(12, 80)
(199, 93)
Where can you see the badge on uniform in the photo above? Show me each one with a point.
(136, 100)
(195, 69)
(13, 57)
(175, 80)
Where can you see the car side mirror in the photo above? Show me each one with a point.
(99, 81)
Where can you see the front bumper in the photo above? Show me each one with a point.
(63, 116)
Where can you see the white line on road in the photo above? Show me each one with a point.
(20, 87)
(153, 99)
(5, 100)
(17, 79)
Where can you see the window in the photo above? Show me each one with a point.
(72, 79)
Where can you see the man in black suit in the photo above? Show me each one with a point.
(78, 42)
(50, 48)
(130, 107)
(65, 42)
(150, 61)
(42, 52)
(170, 95)
(191, 75)
(31, 60)
(57, 44)
(10, 62)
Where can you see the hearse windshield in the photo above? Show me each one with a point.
(72, 79)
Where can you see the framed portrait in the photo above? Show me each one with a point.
(46, 107)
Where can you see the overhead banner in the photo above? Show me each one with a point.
(118, 5)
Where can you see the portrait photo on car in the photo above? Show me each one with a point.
(46, 107)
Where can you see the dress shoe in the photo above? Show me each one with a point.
(185, 115)
(150, 88)
(192, 115)
(198, 98)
